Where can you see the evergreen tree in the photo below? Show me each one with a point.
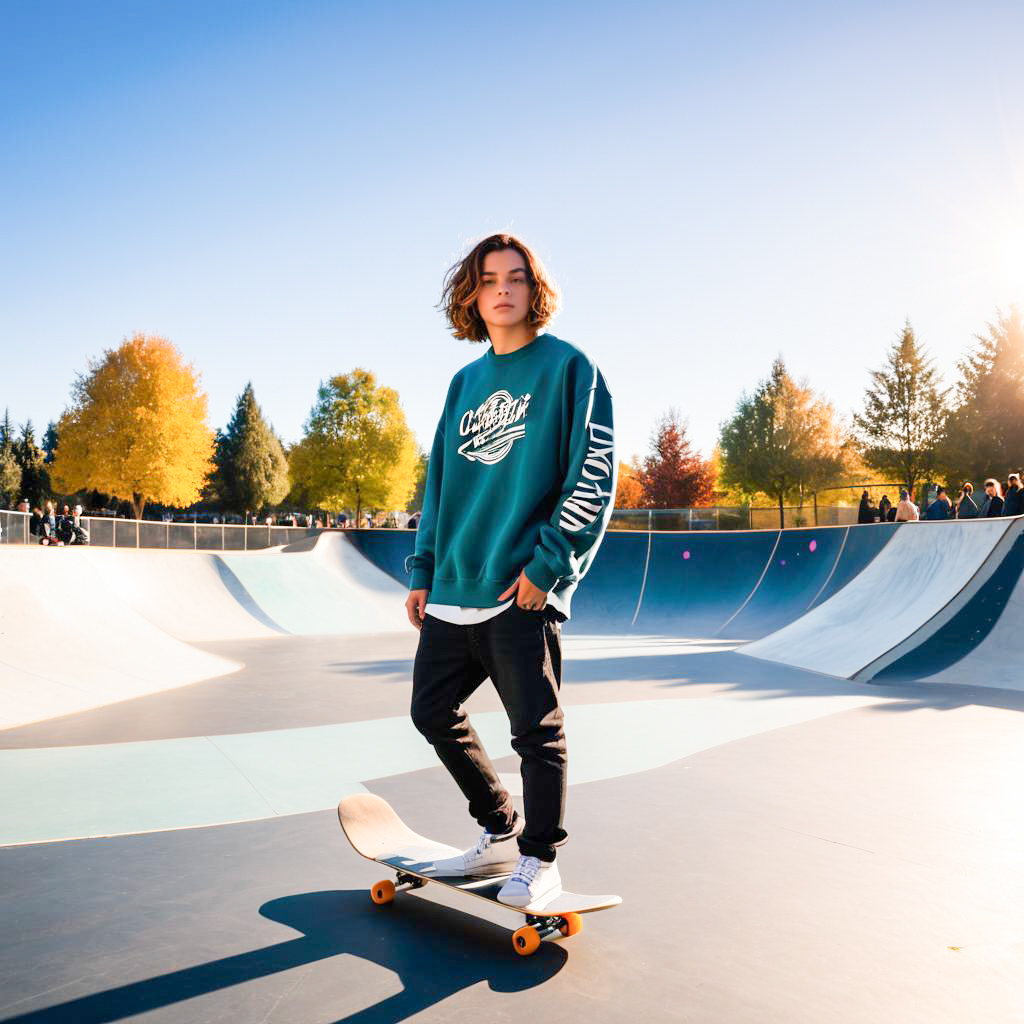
(252, 471)
(50, 442)
(415, 503)
(35, 480)
(10, 471)
(783, 441)
(674, 475)
(10, 475)
(902, 424)
(984, 433)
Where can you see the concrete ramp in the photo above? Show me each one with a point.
(84, 627)
(329, 590)
(925, 569)
(70, 641)
(982, 643)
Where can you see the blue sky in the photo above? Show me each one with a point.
(279, 187)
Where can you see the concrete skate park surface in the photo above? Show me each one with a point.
(796, 755)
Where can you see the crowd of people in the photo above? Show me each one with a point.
(997, 501)
(379, 521)
(49, 527)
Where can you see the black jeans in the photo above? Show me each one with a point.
(521, 650)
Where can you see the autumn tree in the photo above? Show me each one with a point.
(673, 475)
(629, 491)
(137, 426)
(358, 451)
(984, 431)
(903, 419)
(35, 480)
(251, 467)
(783, 440)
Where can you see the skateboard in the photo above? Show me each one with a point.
(377, 833)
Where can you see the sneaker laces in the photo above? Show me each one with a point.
(483, 844)
(526, 870)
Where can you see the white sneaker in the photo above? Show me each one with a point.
(533, 881)
(492, 855)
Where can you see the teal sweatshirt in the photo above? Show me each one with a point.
(522, 476)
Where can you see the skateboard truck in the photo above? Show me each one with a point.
(526, 940)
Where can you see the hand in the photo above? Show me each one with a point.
(527, 595)
(415, 606)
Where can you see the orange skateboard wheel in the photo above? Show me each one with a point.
(526, 940)
(383, 892)
(572, 924)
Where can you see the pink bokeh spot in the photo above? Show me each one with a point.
(782, 561)
(686, 556)
(813, 545)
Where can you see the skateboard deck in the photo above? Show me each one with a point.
(377, 833)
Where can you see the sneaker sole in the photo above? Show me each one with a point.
(541, 898)
(491, 872)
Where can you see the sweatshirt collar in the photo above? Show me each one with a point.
(520, 353)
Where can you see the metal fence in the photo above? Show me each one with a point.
(738, 518)
(143, 533)
(133, 533)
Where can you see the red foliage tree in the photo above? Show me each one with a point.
(674, 475)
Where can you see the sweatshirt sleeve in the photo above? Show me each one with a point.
(422, 561)
(570, 538)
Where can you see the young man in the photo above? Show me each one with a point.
(520, 488)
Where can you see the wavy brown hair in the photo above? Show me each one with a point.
(462, 286)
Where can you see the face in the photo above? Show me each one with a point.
(504, 297)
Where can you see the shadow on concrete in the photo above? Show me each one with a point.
(733, 672)
(434, 950)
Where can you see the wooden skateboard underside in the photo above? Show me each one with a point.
(377, 832)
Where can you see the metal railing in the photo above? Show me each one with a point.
(144, 533)
(133, 533)
(731, 518)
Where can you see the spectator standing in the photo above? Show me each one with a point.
(1012, 504)
(35, 525)
(906, 510)
(966, 508)
(884, 508)
(994, 502)
(941, 507)
(867, 513)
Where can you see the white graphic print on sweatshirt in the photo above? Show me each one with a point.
(585, 503)
(493, 427)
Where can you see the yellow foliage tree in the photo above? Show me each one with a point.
(629, 491)
(358, 451)
(137, 426)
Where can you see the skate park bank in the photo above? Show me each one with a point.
(793, 753)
